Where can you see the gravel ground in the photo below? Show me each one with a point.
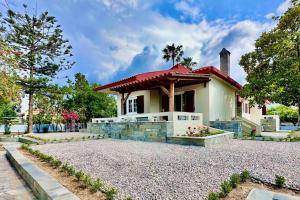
(164, 171)
(61, 135)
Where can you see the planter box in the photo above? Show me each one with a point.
(207, 141)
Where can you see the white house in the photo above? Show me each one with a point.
(207, 91)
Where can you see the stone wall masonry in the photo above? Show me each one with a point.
(140, 131)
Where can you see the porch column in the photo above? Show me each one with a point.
(171, 96)
(122, 104)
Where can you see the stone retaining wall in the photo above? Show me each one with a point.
(202, 141)
(141, 131)
(230, 126)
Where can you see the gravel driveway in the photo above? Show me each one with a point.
(165, 171)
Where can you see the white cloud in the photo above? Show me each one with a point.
(280, 10)
(283, 7)
(188, 9)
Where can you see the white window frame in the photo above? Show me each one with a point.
(132, 104)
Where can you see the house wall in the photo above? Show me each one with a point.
(155, 101)
(146, 94)
(222, 100)
(201, 99)
(255, 114)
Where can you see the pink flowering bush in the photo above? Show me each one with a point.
(198, 131)
(70, 118)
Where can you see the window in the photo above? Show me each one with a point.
(132, 105)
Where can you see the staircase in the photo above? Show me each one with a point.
(248, 126)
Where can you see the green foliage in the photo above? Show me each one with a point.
(286, 114)
(45, 52)
(172, 52)
(110, 193)
(96, 185)
(86, 102)
(188, 62)
(213, 196)
(79, 175)
(272, 73)
(86, 180)
(55, 163)
(226, 188)
(245, 175)
(279, 181)
(235, 179)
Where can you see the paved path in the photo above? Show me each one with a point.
(12, 187)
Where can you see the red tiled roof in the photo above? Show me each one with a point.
(219, 73)
(177, 69)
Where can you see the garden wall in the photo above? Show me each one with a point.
(141, 131)
(230, 126)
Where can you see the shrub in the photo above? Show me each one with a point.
(235, 180)
(86, 180)
(226, 188)
(65, 167)
(70, 170)
(245, 175)
(110, 193)
(213, 196)
(96, 185)
(25, 146)
(79, 175)
(55, 163)
(279, 180)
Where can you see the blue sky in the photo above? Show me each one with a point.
(113, 39)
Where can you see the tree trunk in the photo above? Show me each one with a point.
(30, 112)
(299, 115)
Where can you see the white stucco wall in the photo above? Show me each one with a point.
(222, 100)
(146, 94)
(155, 101)
(255, 114)
(201, 99)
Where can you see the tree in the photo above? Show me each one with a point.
(188, 62)
(286, 114)
(172, 52)
(43, 51)
(86, 102)
(273, 68)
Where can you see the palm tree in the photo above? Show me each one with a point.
(188, 62)
(172, 52)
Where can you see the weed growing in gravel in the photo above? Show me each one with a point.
(55, 163)
(279, 181)
(213, 196)
(96, 185)
(128, 198)
(235, 179)
(86, 180)
(226, 188)
(245, 175)
(79, 175)
(110, 193)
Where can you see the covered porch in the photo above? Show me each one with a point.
(168, 92)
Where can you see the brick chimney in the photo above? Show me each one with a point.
(225, 61)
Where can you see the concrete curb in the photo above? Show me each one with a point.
(42, 185)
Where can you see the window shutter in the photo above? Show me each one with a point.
(164, 103)
(125, 108)
(140, 104)
(189, 101)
